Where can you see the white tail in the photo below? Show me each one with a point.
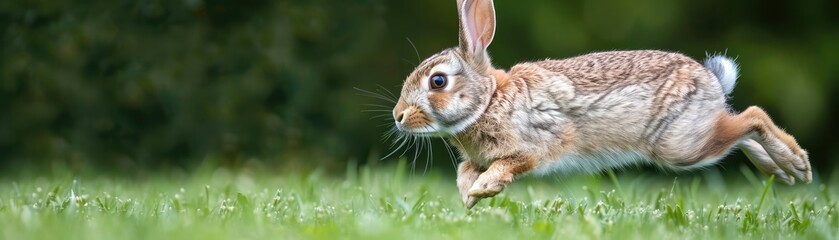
(725, 69)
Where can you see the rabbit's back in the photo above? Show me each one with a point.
(599, 72)
(650, 103)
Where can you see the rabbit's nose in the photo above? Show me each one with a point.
(400, 111)
(400, 116)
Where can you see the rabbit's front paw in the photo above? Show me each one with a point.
(465, 180)
(467, 174)
(489, 184)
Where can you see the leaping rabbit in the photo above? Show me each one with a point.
(587, 113)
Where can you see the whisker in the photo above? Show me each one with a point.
(388, 134)
(388, 91)
(415, 49)
(449, 150)
(412, 145)
(399, 136)
(417, 151)
(386, 115)
(452, 156)
(411, 142)
(428, 160)
(458, 140)
(386, 107)
(404, 141)
(375, 95)
(408, 62)
(376, 110)
(399, 139)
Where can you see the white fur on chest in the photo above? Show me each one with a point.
(592, 163)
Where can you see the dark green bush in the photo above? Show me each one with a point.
(139, 84)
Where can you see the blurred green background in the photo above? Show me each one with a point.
(138, 86)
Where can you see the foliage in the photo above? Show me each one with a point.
(386, 203)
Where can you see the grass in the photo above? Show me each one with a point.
(391, 203)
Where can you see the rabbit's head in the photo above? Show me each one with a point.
(449, 91)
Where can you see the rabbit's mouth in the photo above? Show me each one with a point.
(418, 123)
(412, 119)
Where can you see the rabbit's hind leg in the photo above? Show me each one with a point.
(780, 146)
(761, 159)
(766, 145)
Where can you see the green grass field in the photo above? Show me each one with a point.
(392, 203)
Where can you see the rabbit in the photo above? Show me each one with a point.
(587, 113)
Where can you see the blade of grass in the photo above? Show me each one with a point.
(766, 188)
(615, 182)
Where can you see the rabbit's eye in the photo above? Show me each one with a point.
(438, 81)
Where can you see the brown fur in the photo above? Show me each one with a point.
(439, 100)
(727, 132)
(604, 71)
(501, 77)
(757, 120)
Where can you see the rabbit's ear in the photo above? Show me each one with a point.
(477, 26)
